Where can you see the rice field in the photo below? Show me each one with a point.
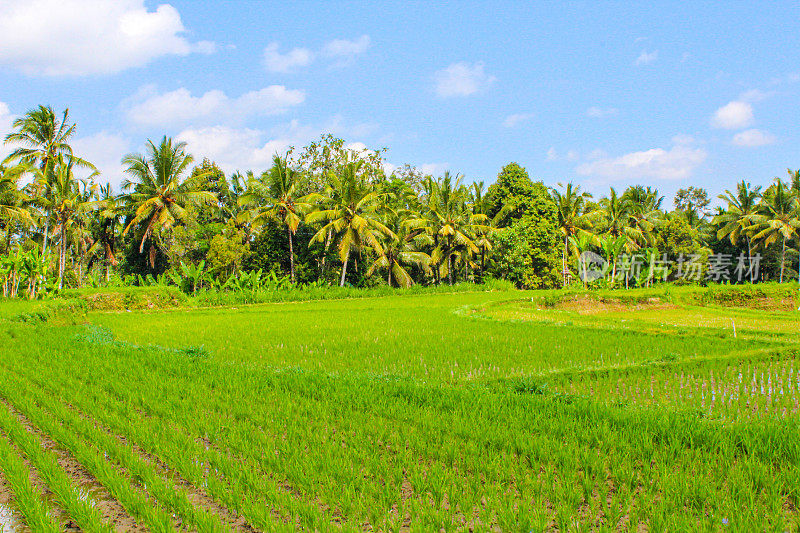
(501, 411)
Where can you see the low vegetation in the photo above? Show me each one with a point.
(505, 410)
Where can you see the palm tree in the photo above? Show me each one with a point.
(160, 197)
(779, 219)
(616, 212)
(480, 206)
(67, 202)
(644, 210)
(448, 219)
(794, 180)
(110, 210)
(12, 199)
(43, 138)
(401, 248)
(350, 211)
(740, 215)
(274, 197)
(570, 210)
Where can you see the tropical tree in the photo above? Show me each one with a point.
(159, 195)
(735, 222)
(13, 209)
(400, 249)
(349, 211)
(779, 219)
(42, 138)
(274, 197)
(570, 211)
(448, 219)
(110, 210)
(644, 210)
(67, 202)
(616, 213)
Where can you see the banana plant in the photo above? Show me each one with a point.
(190, 277)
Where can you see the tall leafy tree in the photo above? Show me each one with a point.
(571, 206)
(735, 222)
(779, 219)
(160, 197)
(13, 208)
(449, 220)
(350, 212)
(67, 202)
(274, 197)
(42, 138)
(110, 210)
(401, 249)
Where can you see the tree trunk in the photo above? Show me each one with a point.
(291, 254)
(783, 257)
(389, 273)
(564, 261)
(344, 268)
(46, 231)
(614, 273)
(750, 259)
(62, 257)
(450, 268)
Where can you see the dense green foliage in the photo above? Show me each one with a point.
(330, 215)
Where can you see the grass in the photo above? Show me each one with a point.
(473, 410)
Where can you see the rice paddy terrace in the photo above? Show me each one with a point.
(504, 411)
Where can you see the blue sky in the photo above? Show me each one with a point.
(602, 94)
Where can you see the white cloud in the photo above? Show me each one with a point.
(252, 149)
(105, 150)
(733, 115)
(676, 163)
(571, 155)
(6, 119)
(753, 138)
(645, 58)
(433, 169)
(233, 149)
(179, 107)
(83, 37)
(595, 154)
(683, 138)
(601, 112)
(754, 95)
(516, 119)
(274, 61)
(462, 79)
(345, 51)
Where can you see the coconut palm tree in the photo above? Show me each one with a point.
(349, 210)
(13, 210)
(160, 196)
(41, 138)
(450, 222)
(67, 201)
(570, 211)
(616, 213)
(400, 249)
(779, 219)
(740, 215)
(110, 211)
(644, 210)
(274, 197)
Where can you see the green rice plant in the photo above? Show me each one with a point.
(27, 498)
(69, 496)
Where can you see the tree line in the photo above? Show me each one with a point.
(330, 214)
